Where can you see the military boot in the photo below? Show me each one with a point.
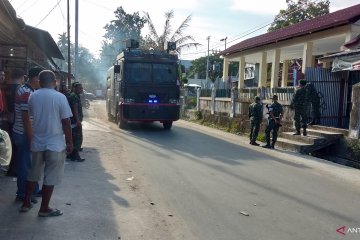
(304, 132)
(297, 132)
(76, 157)
(273, 145)
(267, 145)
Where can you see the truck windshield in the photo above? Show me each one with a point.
(138, 72)
(150, 72)
(164, 73)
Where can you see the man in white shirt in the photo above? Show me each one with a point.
(51, 120)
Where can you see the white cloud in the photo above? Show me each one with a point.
(259, 6)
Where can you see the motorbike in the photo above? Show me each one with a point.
(86, 104)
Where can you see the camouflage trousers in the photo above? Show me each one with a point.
(300, 118)
(271, 127)
(254, 131)
(316, 111)
(77, 137)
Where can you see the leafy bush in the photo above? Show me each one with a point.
(198, 115)
(191, 102)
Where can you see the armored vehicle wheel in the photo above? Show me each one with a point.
(167, 125)
(120, 122)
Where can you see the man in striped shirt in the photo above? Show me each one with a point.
(22, 131)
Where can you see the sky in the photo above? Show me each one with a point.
(234, 19)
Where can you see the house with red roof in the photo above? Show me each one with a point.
(306, 42)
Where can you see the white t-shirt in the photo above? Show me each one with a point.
(47, 108)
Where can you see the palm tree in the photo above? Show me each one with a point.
(157, 42)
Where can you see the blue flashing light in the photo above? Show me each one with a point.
(150, 101)
(155, 101)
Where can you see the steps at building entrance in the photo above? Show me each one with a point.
(318, 137)
(344, 132)
(291, 145)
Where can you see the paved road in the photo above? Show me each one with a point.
(192, 182)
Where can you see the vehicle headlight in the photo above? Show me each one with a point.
(173, 101)
(129, 100)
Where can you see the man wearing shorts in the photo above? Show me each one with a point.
(51, 120)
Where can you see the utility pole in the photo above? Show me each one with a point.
(76, 67)
(207, 61)
(68, 40)
(224, 39)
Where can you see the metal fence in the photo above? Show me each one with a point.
(205, 93)
(248, 93)
(283, 93)
(333, 92)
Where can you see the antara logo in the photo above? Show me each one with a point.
(343, 230)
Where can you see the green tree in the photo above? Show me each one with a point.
(125, 26)
(199, 67)
(88, 65)
(298, 11)
(63, 47)
(157, 42)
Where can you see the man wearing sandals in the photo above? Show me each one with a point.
(51, 120)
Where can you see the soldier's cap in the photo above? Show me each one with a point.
(34, 72)
(257, 98)
(75, 84)
(302, 82)
(275, 97)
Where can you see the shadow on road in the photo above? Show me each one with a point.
(88, 196)
(194, 146)
(194, 143)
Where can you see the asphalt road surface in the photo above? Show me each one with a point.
(191, 182)
(212, 180)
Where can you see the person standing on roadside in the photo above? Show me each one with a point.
(76, 125)
(314, 99)
(49, 146)
(17, 79)
(274, 122)
(255, 115)
(22, 132)
(300, 104)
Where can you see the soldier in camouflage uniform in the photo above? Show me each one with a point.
(300, 104)
(76, 119)
(255, 115)
(315, 103)
(274, 122)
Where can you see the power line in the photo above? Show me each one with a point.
(62, 13)
(48, 13)
(21, 5)
(31, 4)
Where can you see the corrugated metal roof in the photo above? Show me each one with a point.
(341, 54)
(44, 41)
(12, 29)
(336, 19)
